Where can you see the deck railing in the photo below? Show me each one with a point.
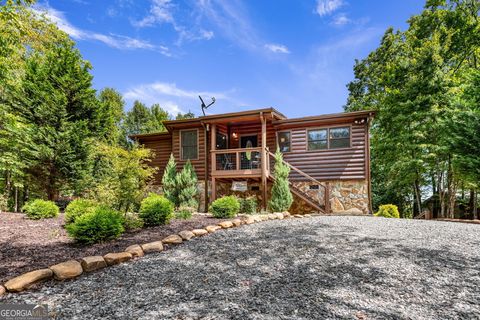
(243, 161)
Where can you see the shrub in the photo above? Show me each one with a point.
(156, 210)
(132, 221)
(184, 212)
(100, 224)
(388, 211)
(186, 186)
(169, 181)
(226, 207)
(248, 205)
(40, 209)
(282, 198)
(76, 208)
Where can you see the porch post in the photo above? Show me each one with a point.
(213, 141)
(264, 159)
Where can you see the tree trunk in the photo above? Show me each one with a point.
(475, 214)
(16, 199)
(418, 198)
(452, 190)
(471, 202)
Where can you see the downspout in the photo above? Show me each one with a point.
(207, 164)
(369, 184)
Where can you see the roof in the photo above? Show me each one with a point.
(277, 117)
(332, 117)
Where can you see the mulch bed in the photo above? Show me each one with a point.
(26, 244)
(459, 220)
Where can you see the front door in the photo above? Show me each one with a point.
(249, 141)
(249, 160)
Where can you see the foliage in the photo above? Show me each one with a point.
(388, 211)
(281, 198)
(41, 209)
(169, 181)
(97, 225)
(186, 186)
(156, 210)
(76, 208)
(184, 212)
(119, 177)
(422, 81)
(183, 116)
(248, 205)
(132, 221)
(225, 207)
(110, 113)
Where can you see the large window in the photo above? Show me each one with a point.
(317, 139)
(339, 138)
(332, 138)
(189, 141)
(284, 141)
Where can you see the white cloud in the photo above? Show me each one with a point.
(277, 48)
(111, 40)
(326, 7)
(175, 99)
(341, 19)
(160, 12)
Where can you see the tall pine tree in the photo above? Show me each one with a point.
(281, 198)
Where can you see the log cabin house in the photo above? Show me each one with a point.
(232, 153)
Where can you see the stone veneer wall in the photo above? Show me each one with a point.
(344, 195)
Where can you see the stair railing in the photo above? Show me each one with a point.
(326, 195)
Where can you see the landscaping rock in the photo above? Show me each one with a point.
(150, 247)
(249, 220)
(212, 229)
(237, 222)
(172, 239)
(186, 235)
(272, 216)
(25, 280)
(298, 216)
(257, 218)
(226, 224)
(2, 290)
(93, 263)
(199, 232)
(279, 215)
(135, 250)
(67, 270)
(286, 214)
(116, 258)
(264, 217)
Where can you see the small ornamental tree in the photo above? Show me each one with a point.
(169, 181)
(281, 198)
(186, 186)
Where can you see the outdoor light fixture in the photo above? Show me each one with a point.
(234, 135)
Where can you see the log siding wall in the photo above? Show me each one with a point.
(328, 164)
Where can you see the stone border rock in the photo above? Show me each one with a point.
(72, 268)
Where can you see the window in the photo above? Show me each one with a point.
(221, 141)
(284, 141)
(317, 139)
(314, 187)
(189, 141)
(339, 138)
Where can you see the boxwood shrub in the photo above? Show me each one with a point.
(100, 224)
(156, 210)
(388, 211)
(40, 209)
(248, 205)
(76, 208)
(225, 207)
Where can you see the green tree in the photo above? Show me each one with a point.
(186, 186)
(183, 116)
(110, 113)
(281, 198)
(119, 177)
(169, 181)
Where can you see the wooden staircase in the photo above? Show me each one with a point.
(320, 207)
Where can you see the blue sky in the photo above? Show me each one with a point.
(296, 55)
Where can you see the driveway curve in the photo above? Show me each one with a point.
(311, 268)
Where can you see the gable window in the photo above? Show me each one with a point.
(189, 141)
(317, 139)
(284, 141)
(339, 138)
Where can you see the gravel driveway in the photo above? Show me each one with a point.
(311, 268)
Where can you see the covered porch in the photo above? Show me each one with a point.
(239, 150)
